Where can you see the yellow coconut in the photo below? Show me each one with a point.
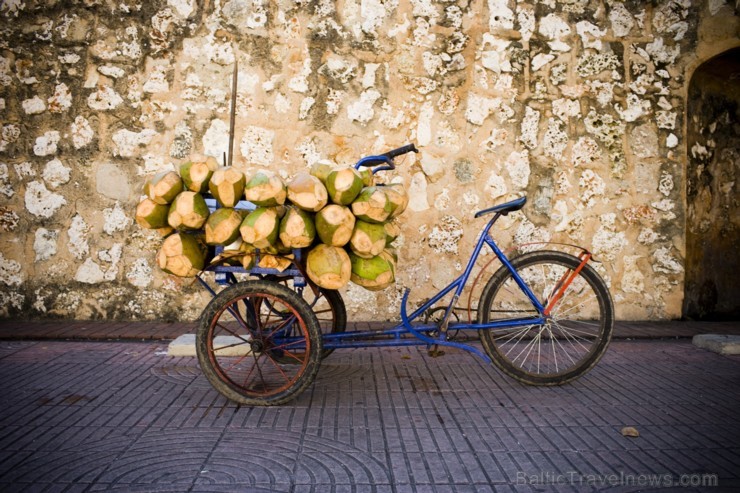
(150, 215)
(227, 186)
(164, 187)
(307, 192)
(222, 226)
(368, 239)
(334, 224)
(372, 205)
(188, 211)
(260, 228)
(297, 228)
(182, 255)
(197, 172)
(266, 189)
(328, 266)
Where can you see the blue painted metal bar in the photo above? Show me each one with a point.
(517, 278)
(205, 285)
(434, 299)
(374, 161)
(400, 329)
(420, 332)
(500, 324)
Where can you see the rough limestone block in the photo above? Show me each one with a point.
(722, 344)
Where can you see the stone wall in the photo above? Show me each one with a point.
(580, 104)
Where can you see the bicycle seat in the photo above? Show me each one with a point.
(504, 209)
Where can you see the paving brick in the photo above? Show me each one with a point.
(120, 416)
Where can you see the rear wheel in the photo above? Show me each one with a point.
(575, 335)
(328, 307)
(258, 343)
(330, 312)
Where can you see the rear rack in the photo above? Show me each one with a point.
(225, 274)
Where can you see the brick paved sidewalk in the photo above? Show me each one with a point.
(122, 416)
(107, 330)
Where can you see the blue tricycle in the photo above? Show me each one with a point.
(544, 317)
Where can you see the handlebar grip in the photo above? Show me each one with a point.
(401, 150)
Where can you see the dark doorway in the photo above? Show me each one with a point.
(712, 289)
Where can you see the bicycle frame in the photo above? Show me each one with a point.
(393, 336)
(434, 334)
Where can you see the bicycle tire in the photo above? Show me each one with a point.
(337, 321)
(264, 326)
(586, 302)
(332, 320)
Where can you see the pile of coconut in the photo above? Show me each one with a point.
(344, 222)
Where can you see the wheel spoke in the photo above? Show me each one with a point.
(287, 378)
(518, 340)
(236, 365)
(522, 331)
(578, 328)
(259, 371)
(571, 329)
(530, 343)
(552, 345)
(556, 340)
(575, 339)
(235, 334)
(580, 305)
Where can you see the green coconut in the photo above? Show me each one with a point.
(343, 185)
(307, 192)
(334, 224)
(398, 198)
(297, 229)
(321, 170)
(392, 230)
(372, 205)
(222, 226)
(150, 215)
(164, 187)
(375, 273)
(188, 211)
(328, 266)
(227, 186)
(197, 172)
(368, 178)
(368, 239)
(266, 189)
(260, 227)
(182, 255)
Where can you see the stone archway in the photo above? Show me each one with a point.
(712, 289)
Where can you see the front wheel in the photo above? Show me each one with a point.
(259, 343)
(573, 338)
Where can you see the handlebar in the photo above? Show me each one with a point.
(386, 158)
(401, 150)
